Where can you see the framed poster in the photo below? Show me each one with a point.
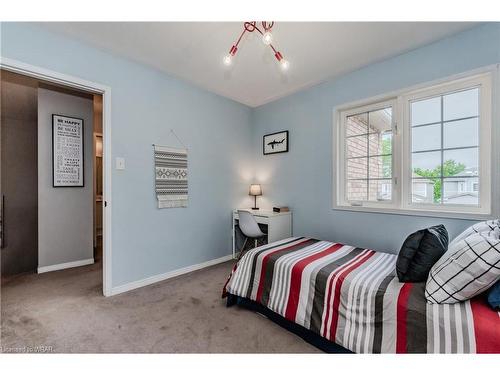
(275, 143)
(67, 151)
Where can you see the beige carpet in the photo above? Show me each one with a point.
(65, 310)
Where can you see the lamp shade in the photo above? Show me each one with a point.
(255, 189)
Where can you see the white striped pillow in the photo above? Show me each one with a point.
(467, 269)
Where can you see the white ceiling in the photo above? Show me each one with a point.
(317, 51)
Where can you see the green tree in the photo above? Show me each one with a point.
(450, 168)
(387, 157)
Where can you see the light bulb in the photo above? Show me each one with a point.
(227, 60)
(267, 38)
(284, 64)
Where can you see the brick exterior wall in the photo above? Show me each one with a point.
(358, 146)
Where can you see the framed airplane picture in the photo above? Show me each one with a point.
(275, 143)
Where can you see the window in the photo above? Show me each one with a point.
(368, 150)
(445, 147)
(423, 150)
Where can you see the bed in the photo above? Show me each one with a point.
(343, 298)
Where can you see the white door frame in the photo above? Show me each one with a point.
(92, 87)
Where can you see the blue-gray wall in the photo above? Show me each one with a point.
(302, 178)
(146, 104)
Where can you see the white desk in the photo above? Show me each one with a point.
(279, 224)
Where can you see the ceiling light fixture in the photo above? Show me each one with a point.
(267, 39)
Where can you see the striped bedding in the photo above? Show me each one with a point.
(352, 297)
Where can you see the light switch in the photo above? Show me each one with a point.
(120, 163)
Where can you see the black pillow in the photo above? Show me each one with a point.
(419, 253)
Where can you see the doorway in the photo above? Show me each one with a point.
(22, 226)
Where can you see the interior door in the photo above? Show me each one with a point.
(19, 174)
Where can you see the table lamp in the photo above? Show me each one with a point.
(255, 190)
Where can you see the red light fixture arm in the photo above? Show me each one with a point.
(251, 26)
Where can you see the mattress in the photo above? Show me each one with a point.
(352, 297)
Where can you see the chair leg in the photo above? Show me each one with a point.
(242, 251)
(256, 242)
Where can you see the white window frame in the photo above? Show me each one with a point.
(487, 79)
(483, 82)
(342, 166)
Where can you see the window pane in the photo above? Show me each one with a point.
(461, 104)
(381, 120)
(381, 143)
(425, 164)
(423, 190)
(369, 156)
(357, 146)
(357, 168)
(462, 133)
(426, 111)
(380, 190)
(380, 166)
(357, 124)
(461, 191)
(357, 190)
(387, 143)
(426, 138)
(463, 162)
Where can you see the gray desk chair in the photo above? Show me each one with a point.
(249, 227)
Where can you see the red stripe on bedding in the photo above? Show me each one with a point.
(263, 267)
(401, 319)
(296, 279)
(341, 274)
(338, 288)
(486, 326)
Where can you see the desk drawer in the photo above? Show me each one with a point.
(261, 219)
(258, 219)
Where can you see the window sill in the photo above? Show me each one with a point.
(416, 212)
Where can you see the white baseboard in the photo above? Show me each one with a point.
(168, 275)
(63, 266)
